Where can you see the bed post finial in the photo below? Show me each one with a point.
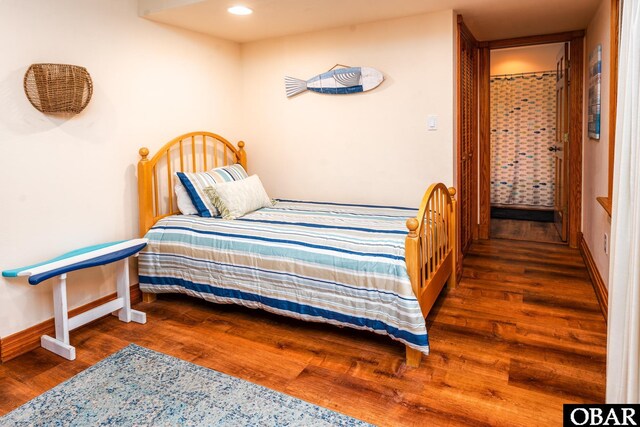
(242, 155)
(144, 152)
(412, 225)
(452, 191)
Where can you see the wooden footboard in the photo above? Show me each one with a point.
(430, 250)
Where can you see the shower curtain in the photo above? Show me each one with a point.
(523, 114)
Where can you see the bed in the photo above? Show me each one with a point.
(376, 268)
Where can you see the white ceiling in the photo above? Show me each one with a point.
(487, 19)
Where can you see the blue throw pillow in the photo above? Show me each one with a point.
(196, 182)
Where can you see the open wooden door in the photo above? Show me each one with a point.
(561, 146)
(467, 171)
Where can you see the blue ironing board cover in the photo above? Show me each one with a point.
(78, 259)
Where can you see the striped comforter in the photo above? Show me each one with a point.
(324, 262)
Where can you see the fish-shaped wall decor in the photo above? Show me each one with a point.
(341, 81)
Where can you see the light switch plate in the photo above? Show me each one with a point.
(432, 123)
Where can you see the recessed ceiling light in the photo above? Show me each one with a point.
(240, 10)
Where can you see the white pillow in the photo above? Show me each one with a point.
(237, 198)
(185, 205)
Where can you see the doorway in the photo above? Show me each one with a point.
(528, 117)
(542, 189)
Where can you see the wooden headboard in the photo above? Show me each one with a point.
(191, 152)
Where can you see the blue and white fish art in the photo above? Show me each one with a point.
(341, 81)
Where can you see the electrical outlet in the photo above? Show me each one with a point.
(606, 244)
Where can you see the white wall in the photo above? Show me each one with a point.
(524, 59)
(70, 182)
(371, 147)
(595, 221)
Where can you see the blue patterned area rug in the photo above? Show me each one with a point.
(141, 387)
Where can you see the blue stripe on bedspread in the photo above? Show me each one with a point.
(282, 276)
(329, 227)
(292, 307)
(333, 263)
(399, 208)
(281, 241)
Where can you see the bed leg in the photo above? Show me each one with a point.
(148, 297)
(452, 282)
(413, 357)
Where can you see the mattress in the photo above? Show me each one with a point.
(335, 263)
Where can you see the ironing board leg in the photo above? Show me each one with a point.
(60, 344)
(126, 314)
(60, 309)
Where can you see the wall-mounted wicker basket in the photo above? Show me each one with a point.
(58, 88)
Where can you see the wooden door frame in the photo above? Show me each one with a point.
(576, 88)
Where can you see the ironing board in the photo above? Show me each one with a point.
(58, 268)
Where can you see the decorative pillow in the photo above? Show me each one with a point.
(185, 206)
(195, 183)
(235, 199)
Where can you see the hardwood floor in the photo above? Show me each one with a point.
(533, 231)
(521, 335)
